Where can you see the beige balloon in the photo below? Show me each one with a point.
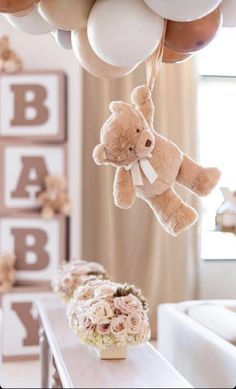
(66, 14)
(90, 61)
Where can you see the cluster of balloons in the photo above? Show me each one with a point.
(111, 37)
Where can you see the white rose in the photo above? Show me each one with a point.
(101, 313)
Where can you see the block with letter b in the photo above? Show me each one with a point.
(33, 106)
(22, 172)
(39, 245)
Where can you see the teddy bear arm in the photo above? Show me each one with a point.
(124, 191)
(142, 99)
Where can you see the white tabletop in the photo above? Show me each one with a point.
(80, 367)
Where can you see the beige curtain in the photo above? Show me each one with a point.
(130, 243)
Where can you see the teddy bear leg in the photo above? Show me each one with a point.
(47, 213)
(172, 212)
(198, 179)
(65, 209)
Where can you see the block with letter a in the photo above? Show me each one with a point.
(22, 172)
(21, 323)
(39, 245)
(33, 107)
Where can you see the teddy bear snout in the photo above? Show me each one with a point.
(145, 144)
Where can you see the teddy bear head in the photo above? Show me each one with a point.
(55, 183)
(125, 137)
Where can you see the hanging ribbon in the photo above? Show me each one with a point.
(153, 63)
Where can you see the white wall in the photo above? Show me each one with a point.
(39, 53)
(218, 280)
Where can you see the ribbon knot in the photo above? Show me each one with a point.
(145, 166)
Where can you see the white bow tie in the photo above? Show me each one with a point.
(147, 169)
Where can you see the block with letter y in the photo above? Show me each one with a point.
(21, 322)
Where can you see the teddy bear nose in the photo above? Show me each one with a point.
(148, 143)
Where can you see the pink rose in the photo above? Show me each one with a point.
(86, 323)
(145, 332)
(84, 293)
(103, 329)
(105, 290)
(95, 267)
(119, 326)
(128, 304)
(134, 323)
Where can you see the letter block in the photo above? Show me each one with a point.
(20, 323)
(22, 172)
(39, 245)
(33, 107)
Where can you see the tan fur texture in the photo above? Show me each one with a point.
(7, 272)
(9, 60)
(54, 199)
(127, 137)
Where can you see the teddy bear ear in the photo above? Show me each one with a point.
(99, 154)
(118, 106)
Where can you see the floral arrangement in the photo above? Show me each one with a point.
(76, 273)
(107, 315)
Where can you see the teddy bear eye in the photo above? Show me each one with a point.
(138, 130)
(130, 148)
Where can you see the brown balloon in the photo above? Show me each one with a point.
(187, 37)
(13, 6)
(170, 56)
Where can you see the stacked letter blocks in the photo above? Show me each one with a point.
(32, 145)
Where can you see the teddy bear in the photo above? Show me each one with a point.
(54, 199)
(148, 164)
(7, 272)
(9, 60)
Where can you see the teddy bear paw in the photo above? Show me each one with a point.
(181, 219)
(206, 181)
(140, 95)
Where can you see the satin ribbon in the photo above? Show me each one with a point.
(145, 166)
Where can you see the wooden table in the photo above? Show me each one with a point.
(78, 366)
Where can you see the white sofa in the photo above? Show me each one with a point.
(202, 357)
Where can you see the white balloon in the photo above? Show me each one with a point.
(32, 23)
(228, 9)
(63, 38)
(123, 32)
(182, 10)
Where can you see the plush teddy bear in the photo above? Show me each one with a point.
(7, 272)
(9, 60)
(148, 164)
(54, 199)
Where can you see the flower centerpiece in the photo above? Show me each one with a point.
(75, 273)
(110, 317)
